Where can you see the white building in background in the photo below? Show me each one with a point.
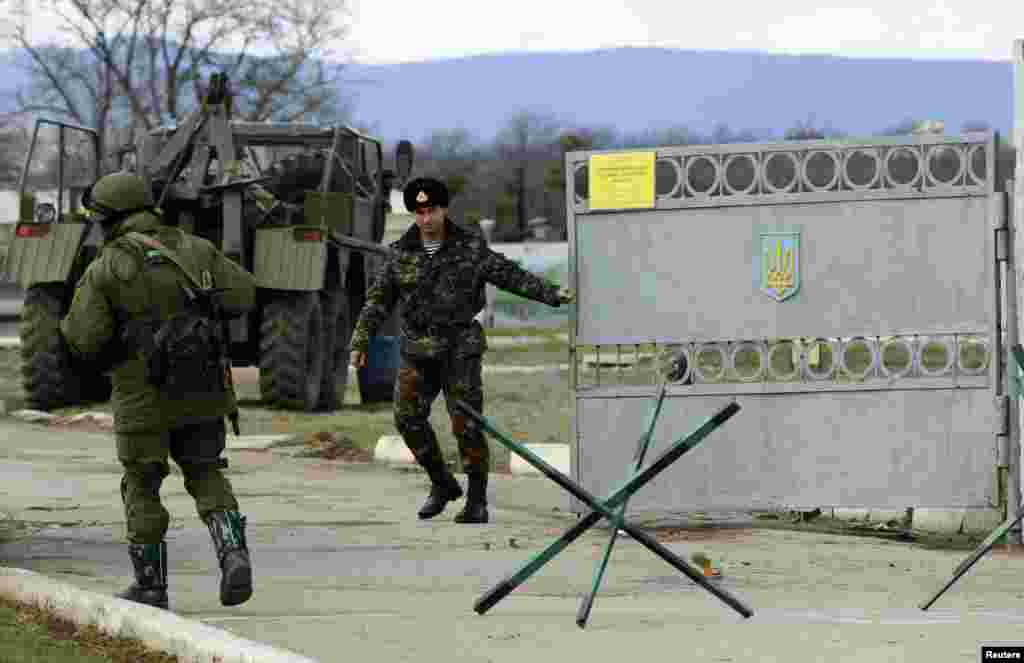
(9, 203)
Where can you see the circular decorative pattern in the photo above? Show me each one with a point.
(702, 175)
(787, 169)
(977, 164)
(935, 356)
(898, 164)
(896, 358)
(740, 174)
(859, 357)
(748, 360)
(710, 362)
(973, 355)
(819, 361)
(946, 165)
(677, 171)
(821, 170)
(676, 363)
(781, 356)
(862, 168)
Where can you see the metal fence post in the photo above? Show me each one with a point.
(1016, 213)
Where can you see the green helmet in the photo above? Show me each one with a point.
(113, 195)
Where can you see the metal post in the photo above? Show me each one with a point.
(583, 614)
(1013, 485)
(606, 508)
(61, 147)
(1016, 210)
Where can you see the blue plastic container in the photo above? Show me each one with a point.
(377, 378)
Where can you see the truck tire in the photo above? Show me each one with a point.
(337, 334)
(47, 378)
(292, 351)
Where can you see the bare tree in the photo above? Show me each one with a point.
(139, 64)
(529, 136)
(13, 142)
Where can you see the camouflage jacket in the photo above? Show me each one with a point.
(440, 295)
(122, 286)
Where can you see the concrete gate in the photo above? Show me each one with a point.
(848, 294)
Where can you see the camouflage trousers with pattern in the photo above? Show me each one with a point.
(196, 448)
(417, 387)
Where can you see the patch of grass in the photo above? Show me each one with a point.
(11, 392)
(551, 332)
(553, 353)
(529, 407)
(29, 634)
(825, 525)
(10, 528)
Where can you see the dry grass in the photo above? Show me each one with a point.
(529, 407)
(29, 634)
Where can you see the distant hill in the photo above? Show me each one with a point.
(634, 89)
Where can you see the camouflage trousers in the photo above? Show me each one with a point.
(196, 448)
(418, 385)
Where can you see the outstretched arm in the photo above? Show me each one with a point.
(509, 276)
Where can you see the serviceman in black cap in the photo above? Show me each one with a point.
(437, 273)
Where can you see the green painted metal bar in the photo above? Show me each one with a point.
(583, 614)
(604, 510)
(978, 553)
(509, 584)
(1015, 368)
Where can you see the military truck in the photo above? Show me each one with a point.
(278, 198)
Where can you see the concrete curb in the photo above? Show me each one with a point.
(973, 521)
(190, 641)
(392, 449)
(556, 455)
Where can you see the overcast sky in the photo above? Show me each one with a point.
(386, 31)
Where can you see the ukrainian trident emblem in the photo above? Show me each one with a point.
(780, 264)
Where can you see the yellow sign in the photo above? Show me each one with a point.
(623, 180)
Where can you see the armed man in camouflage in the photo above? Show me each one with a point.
(144, 277)
(437, 273)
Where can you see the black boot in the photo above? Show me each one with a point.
(227, 528)
(444, 488)
(150, 586)
(475, 510)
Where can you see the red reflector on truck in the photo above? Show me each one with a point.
(32, 229)
(307, 235)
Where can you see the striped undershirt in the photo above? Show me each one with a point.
(431, 247)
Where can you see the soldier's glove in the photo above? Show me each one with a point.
(566, 296)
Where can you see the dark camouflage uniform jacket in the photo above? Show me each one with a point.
(440, 295)
(121, 287)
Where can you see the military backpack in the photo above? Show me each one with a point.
(185, 355)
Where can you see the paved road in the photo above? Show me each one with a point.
(345, 571)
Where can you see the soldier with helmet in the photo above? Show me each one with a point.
(148, 277)
(437, 272)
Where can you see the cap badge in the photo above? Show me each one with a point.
(421, 197)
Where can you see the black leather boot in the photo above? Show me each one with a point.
(444, 488)
(150, 586)
(227, 528)
(475, 510)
